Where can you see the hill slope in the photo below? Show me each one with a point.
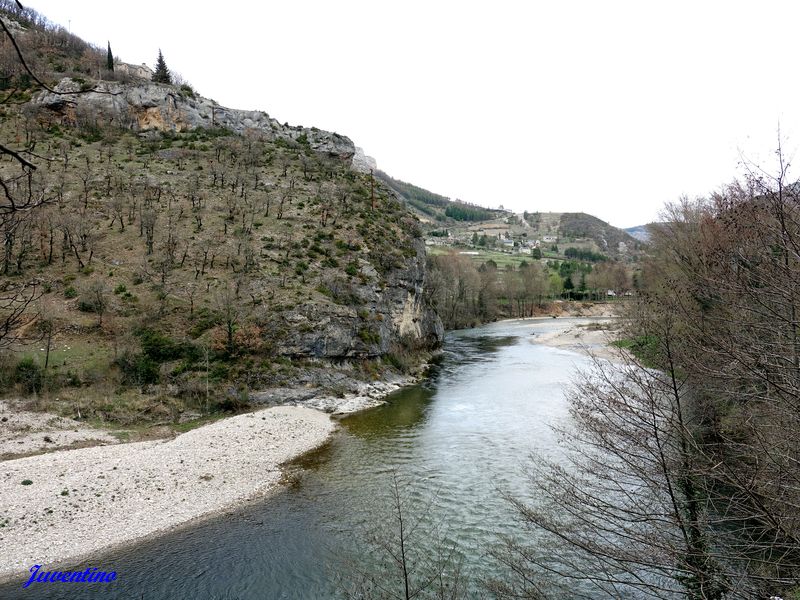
(177, 241)
(640, 232)
(436, 209)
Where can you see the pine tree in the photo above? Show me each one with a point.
(110, 59)
(162, 73)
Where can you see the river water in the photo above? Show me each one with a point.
(453, 445)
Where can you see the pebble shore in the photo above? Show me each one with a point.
(83, 501)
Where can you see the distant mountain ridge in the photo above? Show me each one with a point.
(462, 220)
(640, 232)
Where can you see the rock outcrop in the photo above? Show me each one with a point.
(389, 311)
(364, 163)
(144, 106)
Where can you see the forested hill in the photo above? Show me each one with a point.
(582, 225)
(435, 208)
(168, 239)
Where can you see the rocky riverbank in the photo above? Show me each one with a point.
(64, 505)
(83, 501)
(592, 337)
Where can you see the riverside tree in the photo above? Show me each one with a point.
(683, 468)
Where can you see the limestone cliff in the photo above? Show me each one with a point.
(389, 310)
(144, 105)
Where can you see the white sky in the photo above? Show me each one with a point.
(607, 107)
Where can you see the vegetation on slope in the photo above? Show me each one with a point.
(177, 271)
(434, 206)
(582, 225)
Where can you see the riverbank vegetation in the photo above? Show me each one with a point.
(466, 294)
(682, 481)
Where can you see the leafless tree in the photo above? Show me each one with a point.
(19, 192)
(14, 303)
(683, 467)
(409, 557)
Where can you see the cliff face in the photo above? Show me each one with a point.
(390, 311)
(147, 106)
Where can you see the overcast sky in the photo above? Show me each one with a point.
(612, 108)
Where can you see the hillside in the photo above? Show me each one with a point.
(435, 209)
(174, 244)
(462, 221)
(607, 238)
(640, 232)
(552, 233)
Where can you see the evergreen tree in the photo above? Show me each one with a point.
(109, 59)
(162, 73)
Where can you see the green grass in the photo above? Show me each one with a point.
(73, 355)
(195, 423)
(644, 348)
(502, 259)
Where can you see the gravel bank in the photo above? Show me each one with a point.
(590, 338)
(92, 499)
(364, 396)
(26, 432)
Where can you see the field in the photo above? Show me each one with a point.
(502, 259)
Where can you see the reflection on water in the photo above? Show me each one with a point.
(458, 438)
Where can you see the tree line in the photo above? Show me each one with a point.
(682, 469)
(466, 294)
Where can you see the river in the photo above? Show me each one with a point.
(453, 444)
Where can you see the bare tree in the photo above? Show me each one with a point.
(14, 303)
(19, 192)
(683, 467)
(409, 557)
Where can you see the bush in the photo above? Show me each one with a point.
(89, 306)
(29, 375)
(137, 369)
(401, 360)
(369, 336)
(161, 348)
(70, 292)
(233, 403)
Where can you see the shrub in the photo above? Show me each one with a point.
(137, 369)
(369, 336)
(70, 292)
(28, 374)
(89, 306)
(233, 403)
(161, 348)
